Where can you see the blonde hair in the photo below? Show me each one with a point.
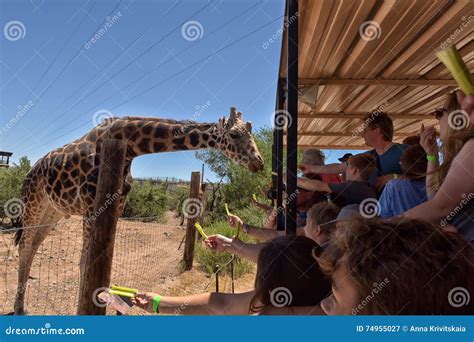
(454, 141)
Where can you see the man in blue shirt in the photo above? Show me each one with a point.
(377, 131)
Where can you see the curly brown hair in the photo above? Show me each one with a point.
(419, 264)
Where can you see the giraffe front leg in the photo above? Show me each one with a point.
(27, 252)
(31, 239)
(86, 231)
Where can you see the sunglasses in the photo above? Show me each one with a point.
(439, 112)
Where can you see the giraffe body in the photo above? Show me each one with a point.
(64, 181)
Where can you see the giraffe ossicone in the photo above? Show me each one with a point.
(64, 181)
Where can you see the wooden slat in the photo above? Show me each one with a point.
(358, 116)
(376, 82)
(399, 70)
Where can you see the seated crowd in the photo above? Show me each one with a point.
(415, 258)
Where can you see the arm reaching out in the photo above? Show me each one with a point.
(210, 303)
(313, 185)
(260, 233)
(324, 169)
(235, 246)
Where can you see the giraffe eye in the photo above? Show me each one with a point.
(235, 135)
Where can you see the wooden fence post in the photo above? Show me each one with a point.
(100, 250)
(192, 209)
(203, 196)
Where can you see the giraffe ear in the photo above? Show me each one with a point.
(222, 122)
(248, 126)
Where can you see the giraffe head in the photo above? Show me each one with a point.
(237, 143)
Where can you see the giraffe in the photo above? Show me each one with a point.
(64, 181)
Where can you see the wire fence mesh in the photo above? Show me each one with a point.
(146, 255)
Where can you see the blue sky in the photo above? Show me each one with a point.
(50, 88)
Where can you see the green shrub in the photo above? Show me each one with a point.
(145, 200)
(209, 259)
(11, 182)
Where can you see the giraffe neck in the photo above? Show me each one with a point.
(152, 135)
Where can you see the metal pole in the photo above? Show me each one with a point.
(279, 158)
(292, 109)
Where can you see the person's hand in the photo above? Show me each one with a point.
(467, 104)
(144, 300)
(218, 242)
(428, 139)
(255, 203)
(234, 221)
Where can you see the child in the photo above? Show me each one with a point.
(286, 276)
(400, 195)
(355, 189)
(319, 225)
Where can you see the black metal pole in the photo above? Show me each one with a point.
(279, 157)
(292, 109)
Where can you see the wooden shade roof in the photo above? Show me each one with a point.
(363, 55)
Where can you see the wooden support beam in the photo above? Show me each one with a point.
(376, 82)
(358, 116)
(100, 248)
(343, 134)
(192, 210)
(335, 147)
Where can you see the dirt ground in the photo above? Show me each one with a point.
(147, 256)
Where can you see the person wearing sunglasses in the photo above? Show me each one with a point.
(452, 182)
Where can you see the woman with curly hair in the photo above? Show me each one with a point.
(398, 267)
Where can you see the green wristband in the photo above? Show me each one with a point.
(156, 303)
(431, 157)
